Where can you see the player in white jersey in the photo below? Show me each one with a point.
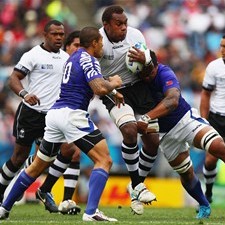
(212, 107)
(180, 126)
(42, 67)
(118, 37)
(69, 121)
(62, 165)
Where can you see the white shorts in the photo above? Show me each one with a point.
(180, 137)
(67, 125)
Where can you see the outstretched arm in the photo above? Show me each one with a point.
(100, 87)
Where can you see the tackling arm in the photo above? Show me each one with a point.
(167, 105)
(148, 123)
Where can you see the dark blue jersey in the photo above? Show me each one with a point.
(80, 69)
(164, 80)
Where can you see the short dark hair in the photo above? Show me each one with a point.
(70, 38)
(52, 22)
(109, 11)
(223, 36)
(154, 58)
(87, 35)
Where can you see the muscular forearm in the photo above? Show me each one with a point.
(165, 107)
(15, 82)
(205, 104)
(102, 86)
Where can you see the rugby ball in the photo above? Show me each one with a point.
(135, 67)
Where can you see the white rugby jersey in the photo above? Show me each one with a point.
(113, 60)
(214, 80)
(44, 72)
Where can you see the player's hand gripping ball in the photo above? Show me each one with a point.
(135, 67)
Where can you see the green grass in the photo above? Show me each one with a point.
(35, 214)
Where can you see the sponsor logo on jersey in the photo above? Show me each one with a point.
(169, 82)
(47, 66)
(108, 57)
(118, 46)
(56, 57)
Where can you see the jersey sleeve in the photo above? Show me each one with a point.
(209, 81)
(92, 69)
(168, 79)
(25, 64)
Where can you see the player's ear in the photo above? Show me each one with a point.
(94, 43)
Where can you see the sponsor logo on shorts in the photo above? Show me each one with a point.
(199, 125)
(22, 133)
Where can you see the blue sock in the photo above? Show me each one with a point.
(97, 183)
(194, 189)
(22, 183)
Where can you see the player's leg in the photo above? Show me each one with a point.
(209, 169)
(182, 164)
(71, 175)
(148, 154)
(125, 120)
(12, 166)
(23, 130)
(95, 146)
(44, 157)
(56, 170)
(209, 172)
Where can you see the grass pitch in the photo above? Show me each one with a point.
(30, 214)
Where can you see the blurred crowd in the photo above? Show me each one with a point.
(184, 33)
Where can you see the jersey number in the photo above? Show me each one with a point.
(66, 74)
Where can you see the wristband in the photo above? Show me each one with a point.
(148, 58)
(145, 118)
(113, 92)
(23, 93)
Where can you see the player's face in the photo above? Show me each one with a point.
(54, 38)
(73, 47)
(148, 76)
(116, 29)
(222, 48)
(98, 52)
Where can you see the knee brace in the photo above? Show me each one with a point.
(208, 138)
(48, 151)
(184, 166)
(122, 115)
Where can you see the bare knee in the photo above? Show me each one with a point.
(67, 150)
(210, 161)
(100, 156)
(20, 154)
(129, 132)
(217, 149)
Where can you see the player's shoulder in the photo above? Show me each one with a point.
(215, 63)
(35, 49)
(133, 31)
(164, 68)
(164, 71)
(32, 54)
(63, 53)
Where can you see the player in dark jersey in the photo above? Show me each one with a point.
(69, 121)
(180, 126)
